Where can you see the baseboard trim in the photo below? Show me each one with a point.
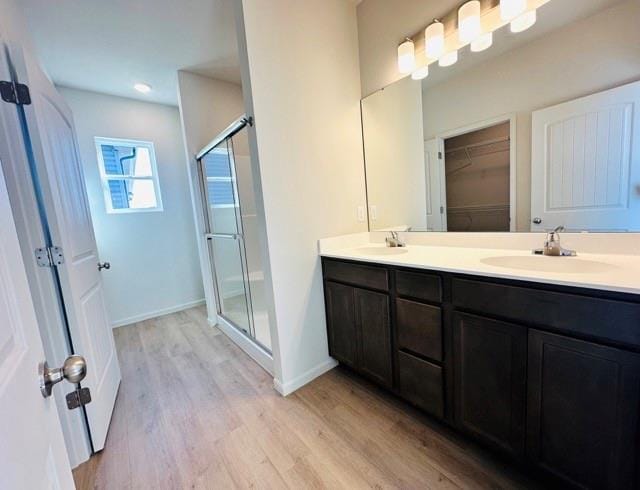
(298, 382)
(152, 314)
(252, 349)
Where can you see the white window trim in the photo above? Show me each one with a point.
(105, 178)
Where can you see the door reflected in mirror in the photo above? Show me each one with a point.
(540, 131)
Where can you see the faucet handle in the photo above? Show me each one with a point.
(558, 229)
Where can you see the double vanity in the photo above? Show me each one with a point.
(537, 357)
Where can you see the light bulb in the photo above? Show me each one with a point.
(469, 21)
(510, 9)
(420, 73)
(483, 42)
(406, 57)
(144, 88)
(434, 40)
(449, 58)
(523, 22)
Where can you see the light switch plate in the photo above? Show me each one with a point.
(373, 212)
(361, 214)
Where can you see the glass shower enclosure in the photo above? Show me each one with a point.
(231, 234)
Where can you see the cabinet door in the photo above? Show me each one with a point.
(341, 321)
(372, 313)
(490, 359)
(583, 410)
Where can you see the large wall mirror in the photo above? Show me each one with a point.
(540, 130)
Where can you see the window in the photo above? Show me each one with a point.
(220, 178)
(129, 175)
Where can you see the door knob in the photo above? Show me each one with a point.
(104, 265)
(537, 221)
(73, 370)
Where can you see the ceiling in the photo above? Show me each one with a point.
(108, 46)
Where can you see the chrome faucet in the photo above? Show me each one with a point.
(394, 240)
(552, 245)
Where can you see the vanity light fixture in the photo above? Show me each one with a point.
(420, 73)
(524, 21)
(448, 59)
(469, 21)
(476, 21)
(143, 88)
(510, 9)
(484, 41)
(406, 57)
(434, 40)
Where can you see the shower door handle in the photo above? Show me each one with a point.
(232, 236)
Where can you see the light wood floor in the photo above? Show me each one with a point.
(194, 411)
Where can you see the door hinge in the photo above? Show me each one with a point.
(441, 209)
(15, 93)
(439, 155)
(49, 257)
(78, 398)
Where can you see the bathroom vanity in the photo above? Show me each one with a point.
(544, 372)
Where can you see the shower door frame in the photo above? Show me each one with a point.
(226, 136)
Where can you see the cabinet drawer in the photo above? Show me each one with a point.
(609, 320)
(419, 328)
(427, 287)
(420, 383)
(358, 275)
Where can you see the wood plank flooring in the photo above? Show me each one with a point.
(194, 411)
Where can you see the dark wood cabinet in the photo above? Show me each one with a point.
(360, 330)
(548, 375)
(419, 329)
(421, 383)
(490, 376)
(372, 313)
(583, 406)
(341, 322)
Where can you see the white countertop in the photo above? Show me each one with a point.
(596, 271)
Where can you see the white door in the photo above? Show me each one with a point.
(50, 126)
(585, 163)
(436, 189)
(32, 451)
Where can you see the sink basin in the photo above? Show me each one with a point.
(381, 250)
(569, 265)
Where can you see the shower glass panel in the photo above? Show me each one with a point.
(231, 233)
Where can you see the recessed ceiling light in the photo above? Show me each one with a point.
(142, 87)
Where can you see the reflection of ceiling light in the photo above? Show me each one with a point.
(420, 73)
(434, 40)
(449, 58)
(142, 87)
(469, 21)
(406, 57)
(523, 22)
(483, 42)
(510, 9)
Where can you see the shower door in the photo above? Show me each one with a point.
(225, 236)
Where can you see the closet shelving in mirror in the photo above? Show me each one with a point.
(473, 25)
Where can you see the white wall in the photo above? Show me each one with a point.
(302, 62)
(207, 106)
(153, 255)
(587, 56)
(394, 151)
